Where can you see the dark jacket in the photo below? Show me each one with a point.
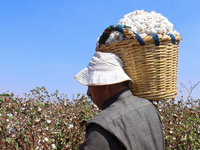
(126, 122)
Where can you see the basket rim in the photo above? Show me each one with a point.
(146, 38)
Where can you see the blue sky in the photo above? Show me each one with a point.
(46, 42)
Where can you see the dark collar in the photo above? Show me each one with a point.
(113, 99)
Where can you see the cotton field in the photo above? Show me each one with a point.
(52, 121)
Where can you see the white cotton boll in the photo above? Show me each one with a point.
(159, 31)
(164, 20)
(156, 25)
(120, 21)
(8, 126)
(143, 23)
(143, 26)
(146, 31)
(173, 32)
(121, 37)
(37, 120)
(140, 27)
(167, 27)
(163, 30)
(150, 27)
(115, 34)
(48, 121)
(127, 20)
(152, 31)
(126, 16)
(53, 146)
(132, 15)
(133, 28)
(143, 34)
(71, 126)
(129, 23)
(163, 25)
(152, 13)
(137, 25)
(97, 43)
(170, 25)
(110, 38)
(9, 115)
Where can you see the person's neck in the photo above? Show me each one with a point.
(114, 90)
(113, 99)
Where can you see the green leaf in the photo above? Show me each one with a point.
(4, 94)
(61, 111)
(180, 145)
(17, 110)
(55, 93)
(29, 123)
(14, 101)
(46, 105)
(35, 107)
(8, 139)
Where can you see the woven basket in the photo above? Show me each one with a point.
(152, 68)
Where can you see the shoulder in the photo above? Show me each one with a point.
(127, 104)
(100, 139)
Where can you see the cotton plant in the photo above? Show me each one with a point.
(61, 124)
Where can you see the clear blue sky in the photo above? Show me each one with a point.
(46, 42)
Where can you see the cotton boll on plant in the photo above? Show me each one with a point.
(143, 23)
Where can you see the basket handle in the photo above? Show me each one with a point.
(173, 38)
(120, 28)
(156, 39)
(139, 38)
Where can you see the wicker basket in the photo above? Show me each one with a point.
(152, 68)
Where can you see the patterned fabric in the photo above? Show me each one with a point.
(131, 122)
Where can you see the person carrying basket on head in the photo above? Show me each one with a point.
(126, 122)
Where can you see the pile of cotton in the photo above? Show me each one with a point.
(143, 23)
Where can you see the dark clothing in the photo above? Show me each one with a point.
(98, 138)
(126, 123)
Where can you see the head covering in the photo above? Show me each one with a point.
(103, 69)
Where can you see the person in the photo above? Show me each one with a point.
(126, 122)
